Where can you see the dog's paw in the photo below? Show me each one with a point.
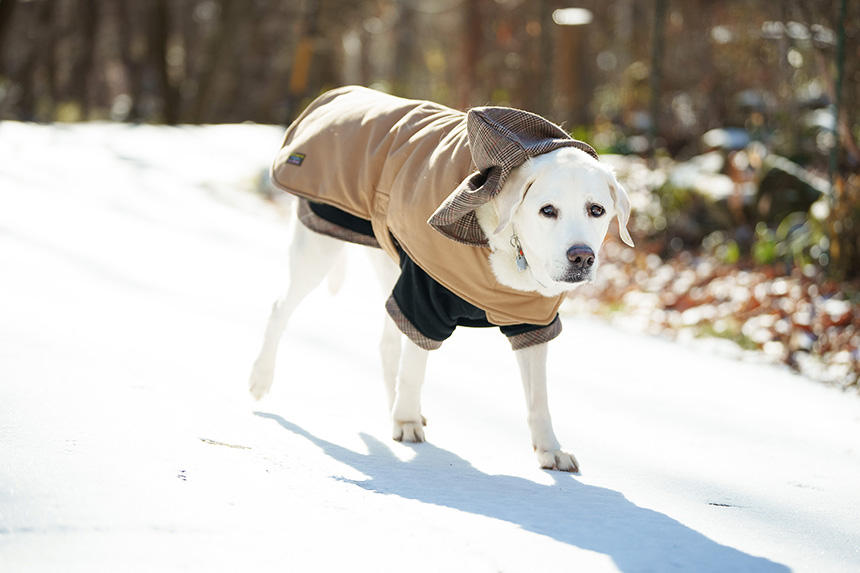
(408, 431)
(557, 460)
(260, 382)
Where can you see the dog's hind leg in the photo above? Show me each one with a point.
(389, 347)
(312, 256)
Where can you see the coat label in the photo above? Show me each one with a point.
(296, 158)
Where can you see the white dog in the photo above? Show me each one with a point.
(544, 228)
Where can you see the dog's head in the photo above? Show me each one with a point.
(557, 207)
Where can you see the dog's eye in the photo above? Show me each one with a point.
(549, 211)
(596, 210)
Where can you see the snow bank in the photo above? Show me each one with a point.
(136, 274)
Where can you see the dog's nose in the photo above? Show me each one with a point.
(581, 256)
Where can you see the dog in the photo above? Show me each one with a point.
(529, 210)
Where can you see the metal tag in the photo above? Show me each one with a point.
(522, 264)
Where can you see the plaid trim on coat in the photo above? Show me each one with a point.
(409, 329)
(517, 341)
(534, 337)
(324, 227)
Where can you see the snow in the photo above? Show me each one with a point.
(136, 273)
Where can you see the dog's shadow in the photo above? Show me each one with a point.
(585, 516)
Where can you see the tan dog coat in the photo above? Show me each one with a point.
(399, 163)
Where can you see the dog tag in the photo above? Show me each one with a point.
(522, 264)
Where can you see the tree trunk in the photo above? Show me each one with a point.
(546, 104)
(302, 60)
(471, 37)
(7, 9)
(160, 34)
(130, 60)
(219, 46)
(49, 61)
(83, 65)
(404, 38)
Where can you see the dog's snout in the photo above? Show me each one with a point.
(581, 257)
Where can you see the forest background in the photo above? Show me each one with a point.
(733, 124)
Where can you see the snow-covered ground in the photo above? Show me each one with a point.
(136, 274)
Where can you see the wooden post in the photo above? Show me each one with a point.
(833, 168)
(656, 72)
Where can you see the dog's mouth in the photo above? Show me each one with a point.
(576, 276)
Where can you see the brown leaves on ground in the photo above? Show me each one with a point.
(806, 322)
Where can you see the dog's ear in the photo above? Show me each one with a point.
(510, 197)
(622, 208)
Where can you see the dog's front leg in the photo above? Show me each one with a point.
(532, 362)
(406, 413)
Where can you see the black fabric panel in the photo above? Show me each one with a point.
(429, 306)
(434, 310)
(342, 218)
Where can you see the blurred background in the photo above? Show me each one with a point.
(733, 124)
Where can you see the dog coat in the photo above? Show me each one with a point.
(412, 173)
